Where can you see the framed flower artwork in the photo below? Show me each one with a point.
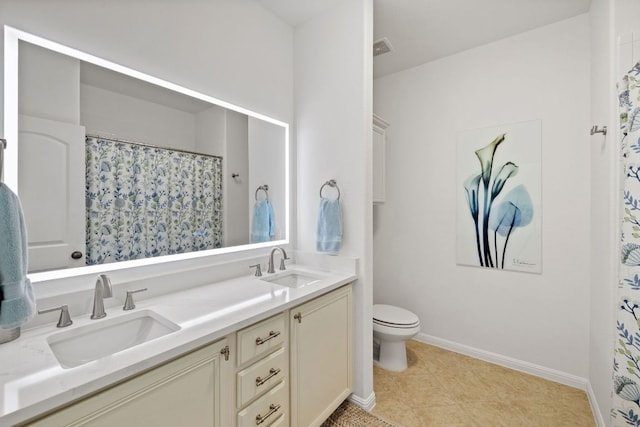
(498, 198)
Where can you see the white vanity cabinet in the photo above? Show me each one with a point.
(321, 356)
(262, 384)
(192, 390)
(291, 369)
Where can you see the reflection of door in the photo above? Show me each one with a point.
(51, 181)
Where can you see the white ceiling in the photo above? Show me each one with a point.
(103, 78)
(419, 31)
(295, 12)
(424, 30)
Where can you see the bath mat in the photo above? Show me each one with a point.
(350, 415)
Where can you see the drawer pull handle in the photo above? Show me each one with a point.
(272, 373)
(272, 410)
(272, 334)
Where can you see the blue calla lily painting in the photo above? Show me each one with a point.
(498, 186)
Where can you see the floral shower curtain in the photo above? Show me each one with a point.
(626, 366)
(146, 201)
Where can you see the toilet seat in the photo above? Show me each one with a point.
(394, 317)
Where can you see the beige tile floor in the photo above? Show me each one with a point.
(442, 388)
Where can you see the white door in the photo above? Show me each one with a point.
(51, 186)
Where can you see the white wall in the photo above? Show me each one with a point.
(49, 85)
(111, 114)
(626, 13)
(266, 155)
(539, 320)
(211, 138)
(236, 160)
(333, 69)
(211, 131)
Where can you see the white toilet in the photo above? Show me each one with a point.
(392, 327)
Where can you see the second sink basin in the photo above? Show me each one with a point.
(105, 337)
(292, 279)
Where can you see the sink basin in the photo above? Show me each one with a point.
(292, 279)
(105, 337)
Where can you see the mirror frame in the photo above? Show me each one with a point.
(12, 38)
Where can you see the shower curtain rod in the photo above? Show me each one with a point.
(144, 144)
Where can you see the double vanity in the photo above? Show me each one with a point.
(269, 350)
(169, 337)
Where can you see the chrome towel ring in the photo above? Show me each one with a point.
(330, 183)
(264, 188)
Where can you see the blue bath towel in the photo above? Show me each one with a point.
(263, 226)
(329, 231)
(17, 303)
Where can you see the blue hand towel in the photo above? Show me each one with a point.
(17, 303)
(263, 226)
(329, 232)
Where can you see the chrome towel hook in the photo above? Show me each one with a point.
(330, 183)
(594, 130)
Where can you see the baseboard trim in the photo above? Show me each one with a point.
(595, 409)
(508, 362)
(367, 403)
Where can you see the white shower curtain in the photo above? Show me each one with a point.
(626, 375)
(145, 201)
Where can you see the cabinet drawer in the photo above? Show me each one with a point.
(280, 422)
(266, 410)
(261, 376)
(260, 338)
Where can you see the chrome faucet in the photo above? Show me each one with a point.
(271, 268)
(103, 290)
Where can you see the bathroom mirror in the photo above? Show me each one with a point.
(116, 166)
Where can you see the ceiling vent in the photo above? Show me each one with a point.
(381, 46)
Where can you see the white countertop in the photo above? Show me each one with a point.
(33, 382)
